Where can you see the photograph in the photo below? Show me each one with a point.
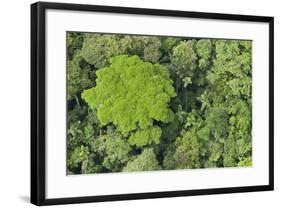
(139, 102)
(133, 103)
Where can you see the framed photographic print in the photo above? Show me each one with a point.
(134, 103)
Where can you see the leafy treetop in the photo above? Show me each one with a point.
(131, 94)
(146, 161)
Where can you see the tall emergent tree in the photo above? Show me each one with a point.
(133, 95)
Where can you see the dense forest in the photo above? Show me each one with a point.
(144, 103)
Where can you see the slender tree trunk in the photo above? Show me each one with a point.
(77, 101)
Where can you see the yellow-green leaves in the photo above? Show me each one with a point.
(132, 94)
(147, 136)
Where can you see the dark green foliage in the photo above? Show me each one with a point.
(78, 76)
(146, 161)
(184, 59)
(187, 151)
(146, 47)
(152, 51)
(144, 103)
(98, 49)
(74, 43)
(113, 150)
(79, 155)
(204, 52)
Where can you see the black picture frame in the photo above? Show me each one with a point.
(38, 102)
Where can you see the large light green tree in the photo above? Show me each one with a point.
(133, 94)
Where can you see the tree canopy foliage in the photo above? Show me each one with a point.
(131, 94)
(143, 103)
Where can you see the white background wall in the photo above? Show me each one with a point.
(15, 96)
